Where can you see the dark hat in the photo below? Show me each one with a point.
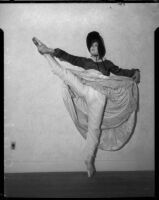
(95, 37)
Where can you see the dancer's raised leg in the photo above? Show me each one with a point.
(64, 74)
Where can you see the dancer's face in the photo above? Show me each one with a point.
(94, 49)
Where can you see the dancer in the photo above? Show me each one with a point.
(93, 96)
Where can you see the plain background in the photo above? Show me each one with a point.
(36, 119)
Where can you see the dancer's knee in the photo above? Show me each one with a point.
(95, 98)
(94, 134)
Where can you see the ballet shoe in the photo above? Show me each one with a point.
(36, 41)
(42, 48)
(90, 169)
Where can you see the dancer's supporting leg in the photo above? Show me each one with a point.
(96, 105)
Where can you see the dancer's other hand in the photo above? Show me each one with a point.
(136, 76)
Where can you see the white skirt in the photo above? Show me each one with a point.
(120, 111)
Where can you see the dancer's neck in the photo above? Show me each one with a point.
(96, 58)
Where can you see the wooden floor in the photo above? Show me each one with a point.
(77, 185)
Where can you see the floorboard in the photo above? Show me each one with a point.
(77, 185)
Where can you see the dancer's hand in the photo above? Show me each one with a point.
(136, 76)
(43, 49)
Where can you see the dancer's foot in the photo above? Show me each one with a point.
(90, 168)
(36, 41)
(42, 48)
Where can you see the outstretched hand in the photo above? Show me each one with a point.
(136, 76)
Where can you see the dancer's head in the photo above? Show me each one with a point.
(95, 44)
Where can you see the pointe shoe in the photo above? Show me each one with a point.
(36, 41)
(42, 48)
(90, 169)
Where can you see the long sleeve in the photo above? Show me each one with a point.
(119, 71)
(74, 60)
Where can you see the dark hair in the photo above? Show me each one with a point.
(95, 37)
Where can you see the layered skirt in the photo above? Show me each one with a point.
(119, 115)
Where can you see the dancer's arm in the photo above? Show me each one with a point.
(64, 56)
(133, 73)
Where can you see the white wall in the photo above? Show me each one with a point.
(35, 116)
